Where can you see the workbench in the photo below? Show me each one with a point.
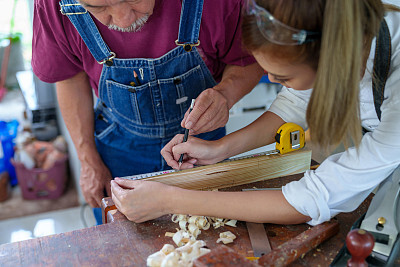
(124, 243)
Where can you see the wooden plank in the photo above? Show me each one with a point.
(300, 245)
(238, 172)
(223, 256)
(227, 174)
(282, 256)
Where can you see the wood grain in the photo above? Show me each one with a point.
(238, 172)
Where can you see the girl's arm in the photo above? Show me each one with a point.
(143, 200)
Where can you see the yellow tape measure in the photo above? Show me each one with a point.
(289, 137)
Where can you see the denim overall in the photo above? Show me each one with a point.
(133, 123)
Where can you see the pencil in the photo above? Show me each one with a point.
(185, 137)
(136, 78)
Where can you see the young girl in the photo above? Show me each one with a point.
(327, 45)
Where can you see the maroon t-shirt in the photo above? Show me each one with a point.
(60, 53)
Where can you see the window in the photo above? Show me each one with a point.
(16, 16)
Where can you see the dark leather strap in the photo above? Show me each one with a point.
(383, 53)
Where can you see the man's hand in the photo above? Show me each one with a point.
(210, 112)
(141, 201)
(75, 99)
(94, 181)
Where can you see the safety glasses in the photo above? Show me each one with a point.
(277, 32)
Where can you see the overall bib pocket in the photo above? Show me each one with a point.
(178, 92)
(124, 101)
(158, 102)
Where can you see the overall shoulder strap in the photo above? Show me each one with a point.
(383, 52)
(189, 25)
(87, 29)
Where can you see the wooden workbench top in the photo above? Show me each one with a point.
(124, 243)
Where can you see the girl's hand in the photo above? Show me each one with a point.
(195, 150)
(141, 201)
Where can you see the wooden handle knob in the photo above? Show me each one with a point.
(360, 244)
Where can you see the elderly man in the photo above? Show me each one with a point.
(145, 60)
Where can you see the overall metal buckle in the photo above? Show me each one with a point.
(108, 61)
(187, 47)
(71, 13)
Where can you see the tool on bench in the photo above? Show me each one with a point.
(289, 137)
(257, 234)
(382, 220)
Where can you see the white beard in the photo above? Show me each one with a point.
(135, 27)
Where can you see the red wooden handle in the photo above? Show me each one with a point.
(360, 244)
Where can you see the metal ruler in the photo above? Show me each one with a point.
(152, 174)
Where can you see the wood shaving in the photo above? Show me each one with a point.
(182, 225)
(155, 259)
(185, 239)
(167, 248)
(218, 222)
(231, 223)
(191, 226)
(226, 237)
(202, 222)
(182, 256)
(194, 230)
(182, 237)
(179, 217)
(169, 234)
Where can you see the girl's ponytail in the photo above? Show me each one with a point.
(348, 29)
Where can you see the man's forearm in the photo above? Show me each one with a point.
(238, 81)
(76, 104)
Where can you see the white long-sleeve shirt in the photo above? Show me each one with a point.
(344, 180)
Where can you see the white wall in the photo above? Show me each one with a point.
(249, 108)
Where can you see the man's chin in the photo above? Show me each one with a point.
(135, 27)
(128, 29)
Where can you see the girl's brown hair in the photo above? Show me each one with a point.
(347, 26)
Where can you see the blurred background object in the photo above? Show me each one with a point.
(8, 132)
(32, 104)
(11, 57)
(41, 168)
(41, 103)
